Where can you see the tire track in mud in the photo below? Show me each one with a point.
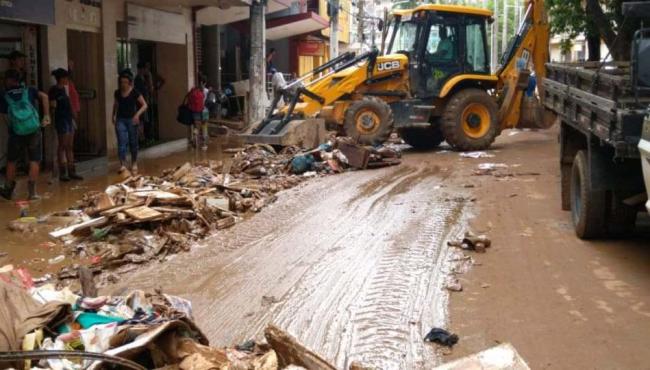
(352, 265)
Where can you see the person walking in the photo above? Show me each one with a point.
(128, 107)
(61, 104)
(20, 105)
(196, 100)
(143, 85)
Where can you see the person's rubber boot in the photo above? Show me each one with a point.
(63, 174)
(7, 191)
(72, 173)
(31, 187)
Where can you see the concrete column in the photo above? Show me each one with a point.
(110, 13)
(211, 44)
(257, 65)
(334, 29)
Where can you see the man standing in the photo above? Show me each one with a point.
(20, 105)
(18, 61)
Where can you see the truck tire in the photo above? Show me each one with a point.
(621, 218)
(422, 137)
(587, 204)
(469, 121)
(369, 120)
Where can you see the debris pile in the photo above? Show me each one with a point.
(54, 328)
(146, 218)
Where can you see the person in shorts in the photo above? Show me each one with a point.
(200, 114)
(61, 104)
(20, 142)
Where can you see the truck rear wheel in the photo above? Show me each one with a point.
(422, 137)
(469, 121)
(587, 204)
(369, 120)
(621, 218)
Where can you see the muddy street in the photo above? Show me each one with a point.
(356, 266)
(351, 264)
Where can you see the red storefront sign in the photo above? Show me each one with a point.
(311, 48)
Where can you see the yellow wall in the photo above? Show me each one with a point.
(344, 19)
(307, 63)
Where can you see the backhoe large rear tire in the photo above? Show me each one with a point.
(369, 120)
(469, 121)
(422, 138)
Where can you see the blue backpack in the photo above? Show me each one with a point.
(23, 117)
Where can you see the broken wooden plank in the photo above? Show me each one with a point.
(117, 209)
(157, 194)
(225, 223)
(291, 352)
(357, 155)
(142, 213)
(99, 221)
(182, 171)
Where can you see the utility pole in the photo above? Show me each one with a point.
(257, 69)
(334, 28)
(504, 32)
(360, 23)
(494, 39)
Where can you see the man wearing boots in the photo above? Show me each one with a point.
(20, 105)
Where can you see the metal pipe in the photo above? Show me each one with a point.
(44, 354)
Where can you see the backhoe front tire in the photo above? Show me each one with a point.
(469, 121)
(422, 138)
(369, 120)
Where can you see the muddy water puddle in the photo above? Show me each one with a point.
(353, 265)
(33, 249)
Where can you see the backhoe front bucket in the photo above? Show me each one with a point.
(307, 133)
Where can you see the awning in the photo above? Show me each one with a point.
(228, 14)
(293, 25)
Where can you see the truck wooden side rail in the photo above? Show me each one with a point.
(600, 126)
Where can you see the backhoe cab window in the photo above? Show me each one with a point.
(441, 45)
(404, 38)
(476, 54)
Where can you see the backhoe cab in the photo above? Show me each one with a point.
(431, 83)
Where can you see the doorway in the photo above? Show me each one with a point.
(85, 62)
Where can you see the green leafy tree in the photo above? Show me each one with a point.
(598, 20)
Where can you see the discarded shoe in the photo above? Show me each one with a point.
(442, 337)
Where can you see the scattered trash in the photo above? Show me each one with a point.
(55, 260)
(477, 243)
(141, 329)
(491, 166)
(454, 286)
(442, 337)
(476, 155)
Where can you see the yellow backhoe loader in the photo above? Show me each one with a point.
(432, 83)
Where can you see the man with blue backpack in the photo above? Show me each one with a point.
(20, 105)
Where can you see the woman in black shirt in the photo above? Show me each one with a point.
(128, 107)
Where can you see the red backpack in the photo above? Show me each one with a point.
(196, 100)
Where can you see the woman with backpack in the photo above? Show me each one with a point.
(64, 114)
(129, 105)
(196, 99)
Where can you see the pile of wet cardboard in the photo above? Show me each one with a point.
(145, 218)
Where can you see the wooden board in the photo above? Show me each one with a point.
(99, 221)
(142, 213)
(156, 194)
(182, 171)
